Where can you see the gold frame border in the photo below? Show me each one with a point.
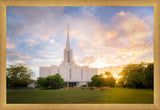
(154, 3)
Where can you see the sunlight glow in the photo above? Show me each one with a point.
(99, 63)
(105, 76)
(117, 76)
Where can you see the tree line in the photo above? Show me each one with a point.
(19, 76)
(132, 75)
(137, 76)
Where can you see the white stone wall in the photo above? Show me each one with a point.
(44, 71)
(53, 69)
(78, 74)
(93, 71)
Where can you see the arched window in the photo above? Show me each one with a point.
(70, 75)
(58, 70)
(68, 57)
(81, 74)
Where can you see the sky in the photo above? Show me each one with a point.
(101, 37)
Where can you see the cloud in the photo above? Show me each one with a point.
(39, 22)
(121, 13)
(128, 39)
(14, 57)
(111, 34)
(88, 60)
(149, 20)
(52, 41)
(30, 40)
(10, 44)
(133, 27)
(40, 36)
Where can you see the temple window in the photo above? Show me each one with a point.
(58, 70)
(81, 73)
(70, 76)
(68, 57)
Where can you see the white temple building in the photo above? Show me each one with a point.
(73, 74)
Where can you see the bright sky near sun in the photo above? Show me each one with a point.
(99, 36)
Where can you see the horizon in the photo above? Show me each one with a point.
(36, 36)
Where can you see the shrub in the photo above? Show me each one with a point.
(102, 89)
(52, 82)
(84, 87)
(92, 88)
(66, 87)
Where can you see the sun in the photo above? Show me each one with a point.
(105, 76)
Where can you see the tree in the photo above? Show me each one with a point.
(137, 75)
(108, 74)
(122, 82)
(18, 75)
(96, 81)
(42, 82)
(148, 76)
(102, 80)
(109, 80)
(53, 82)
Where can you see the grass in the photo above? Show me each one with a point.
(114, 95)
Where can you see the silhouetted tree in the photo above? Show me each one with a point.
(137, 76)
(102, 80)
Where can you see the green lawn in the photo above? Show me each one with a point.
(114, 95)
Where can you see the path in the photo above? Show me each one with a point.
(12, 90)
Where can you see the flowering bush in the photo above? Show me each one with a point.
(104, 88)
(92, 88)
(66, 87)
(75, 88)
(108, 87)
(71, 87)
(84, 87)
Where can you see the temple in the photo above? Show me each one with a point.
(73, 74)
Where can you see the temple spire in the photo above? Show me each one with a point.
(68, 43)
